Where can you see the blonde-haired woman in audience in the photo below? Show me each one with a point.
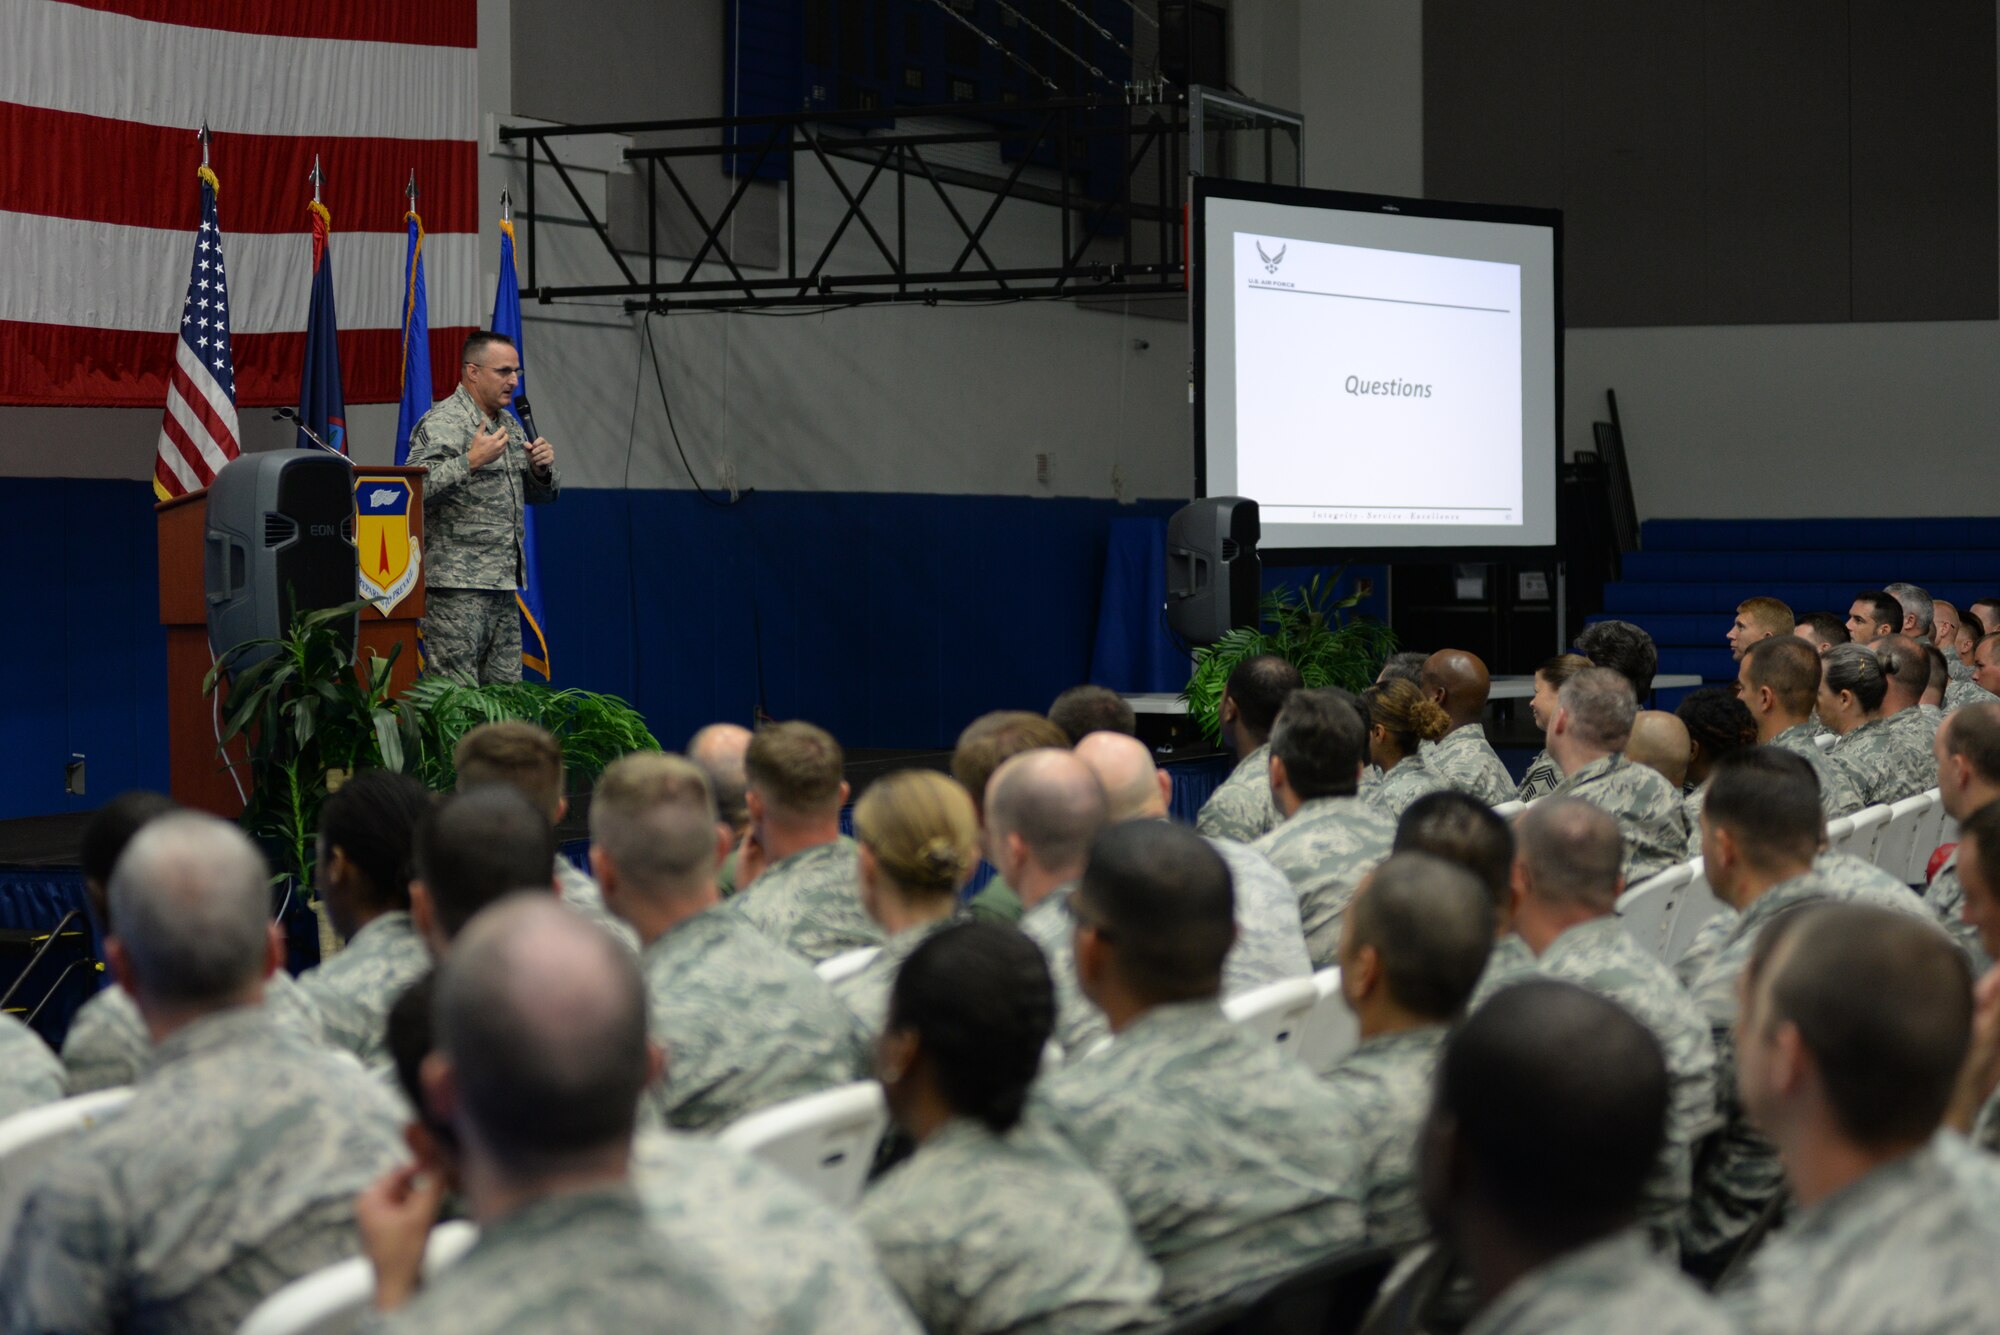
(919, 845)
(1400, 719)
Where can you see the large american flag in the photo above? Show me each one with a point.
(198, 429)
(100, 100)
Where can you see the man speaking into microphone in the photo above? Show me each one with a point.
(482, 469)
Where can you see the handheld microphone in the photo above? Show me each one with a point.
(292, 415)
(527, 416)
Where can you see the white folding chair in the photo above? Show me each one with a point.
(1331, 1030)
(1838, 829)
(29, 1137)
(330, 1301)
(1697, 905)
(1860, 840)
(825, 1140)
(1898, 836)
(1930, 833)
(1647, 909)
(846, 965)
(1508, 810)
(1277, 1010)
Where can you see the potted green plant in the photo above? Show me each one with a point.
(1309, 628)
(594, 729)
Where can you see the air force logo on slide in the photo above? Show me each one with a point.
(1271, 262)
(389, 560)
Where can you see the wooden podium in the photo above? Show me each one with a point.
(197, 776)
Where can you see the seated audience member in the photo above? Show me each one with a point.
(1548, 1119)
(987, 742)
(474, 849)
(1467, 833)
(1566, 894)
(1986, 611)
(919, 842)
(1822, 630)
(233, 1169)
(1717, 723)
(541, 1057)
(1906, 665)
(1919, 611)
(745, 1022)
(1761, 829)
(1623, 648)
(1331, 837)
(1587, 738)
(1082, 710)
(1270, 942)
(719, 749)
(107, 1044)
(1932, 701)
(1401, 718)
(1242, 808)
(1757, 620)
(1660, 742)
(1968, 764)
(1543, 773)
(798, 874)
(1043, 808)
(1944, 632)
(1458, 681)
(367, 837)
(1405, 666)
(1982, 687)
(1779, 684)
(1855, 1023)
(1413, 947)
(994, 1224)
(1882, 762)
(1234, 1162)
(1976, 1106)
(1875, 613)
(30, 1072)
(779, 1251)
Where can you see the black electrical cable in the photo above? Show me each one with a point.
(660, 378)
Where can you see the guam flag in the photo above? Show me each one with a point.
(416, 341)
(322, 406)
(507, 320)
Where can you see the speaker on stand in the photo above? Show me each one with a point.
(1214, 577)
(280, 541)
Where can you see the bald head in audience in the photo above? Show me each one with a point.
(1659, 741)
(1458, 681)
(719, 750)
(1043, 808)
(1134, 787)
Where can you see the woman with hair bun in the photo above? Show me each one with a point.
(994, 1224)
(919, 840)
(1400, 719)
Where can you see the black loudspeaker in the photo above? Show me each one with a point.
(1214, 579)
(280, 541)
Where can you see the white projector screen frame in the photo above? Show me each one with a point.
(1486, 247)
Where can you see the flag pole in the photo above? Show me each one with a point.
(411, 189)
(203, 135)
(315, 178)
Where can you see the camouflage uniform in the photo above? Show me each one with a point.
(1510, 962)
(1326, 847)
(1918, 729)
(866, 994)
(1235, 1163)
(1841, 875)
(1601, 956)
(1242, 808)
(355, 989)
(1885, 762)
(1946, 900)
(1542, 778)
(1838, 795)
(1610, 1285)
(1385, 1085)
(1691, 818)
(1740, 1174)
(232, 1172)
(1646, 805)
(810, 902)
(1966, 692)
(1411, 779)
(580, 1263)
(1080, 1026)
(996, 902)
(1270, 942)
(474, 527)
(1464, 759)
(988, 1233)
(744, 1023)
(580, 892)
(30, 1074)
(108, 1044)
(1901, 1250)
(793, 1262)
